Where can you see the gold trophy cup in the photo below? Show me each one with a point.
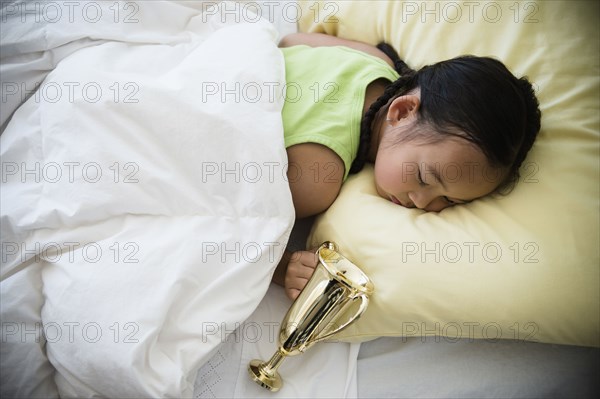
(335, 296)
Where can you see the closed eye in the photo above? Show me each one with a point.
(455, 202)
(449, 201)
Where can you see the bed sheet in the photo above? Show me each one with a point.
(429, 367)
(435, 367)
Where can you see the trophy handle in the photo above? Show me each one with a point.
(364, 302)
(359, 285)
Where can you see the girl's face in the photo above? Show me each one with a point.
(429, 176)
(433, 176)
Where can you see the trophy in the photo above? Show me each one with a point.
(335, 296)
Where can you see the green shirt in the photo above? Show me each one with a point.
(325, 95)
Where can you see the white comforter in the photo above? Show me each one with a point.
(144, 204)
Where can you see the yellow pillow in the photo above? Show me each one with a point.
(523, 266)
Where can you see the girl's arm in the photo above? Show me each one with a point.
(321, 39)
(315, 175)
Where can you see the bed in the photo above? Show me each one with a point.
(144, 206)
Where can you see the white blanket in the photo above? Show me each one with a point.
(144, 199)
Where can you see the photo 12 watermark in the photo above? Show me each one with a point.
(488, 12)
(71, 252)
(455, 331)
(470, 252)
(471, 171)
(52, 92)
(272, 11)
(70, 172)
(268, 172)
(269, 92)
(71, 12)
(80, 332)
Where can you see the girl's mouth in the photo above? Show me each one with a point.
(398, 202)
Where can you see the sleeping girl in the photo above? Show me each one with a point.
(444, 135)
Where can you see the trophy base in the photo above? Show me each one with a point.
(271, 381)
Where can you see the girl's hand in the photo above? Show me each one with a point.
(299, 270)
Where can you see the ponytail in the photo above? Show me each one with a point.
(399, 65)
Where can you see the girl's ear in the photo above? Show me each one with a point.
(404, 108)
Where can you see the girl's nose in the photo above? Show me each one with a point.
(427, 201)
(419, 199)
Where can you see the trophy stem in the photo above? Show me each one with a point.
(274, 362)
(265, 374)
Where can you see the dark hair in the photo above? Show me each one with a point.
(475, 98)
